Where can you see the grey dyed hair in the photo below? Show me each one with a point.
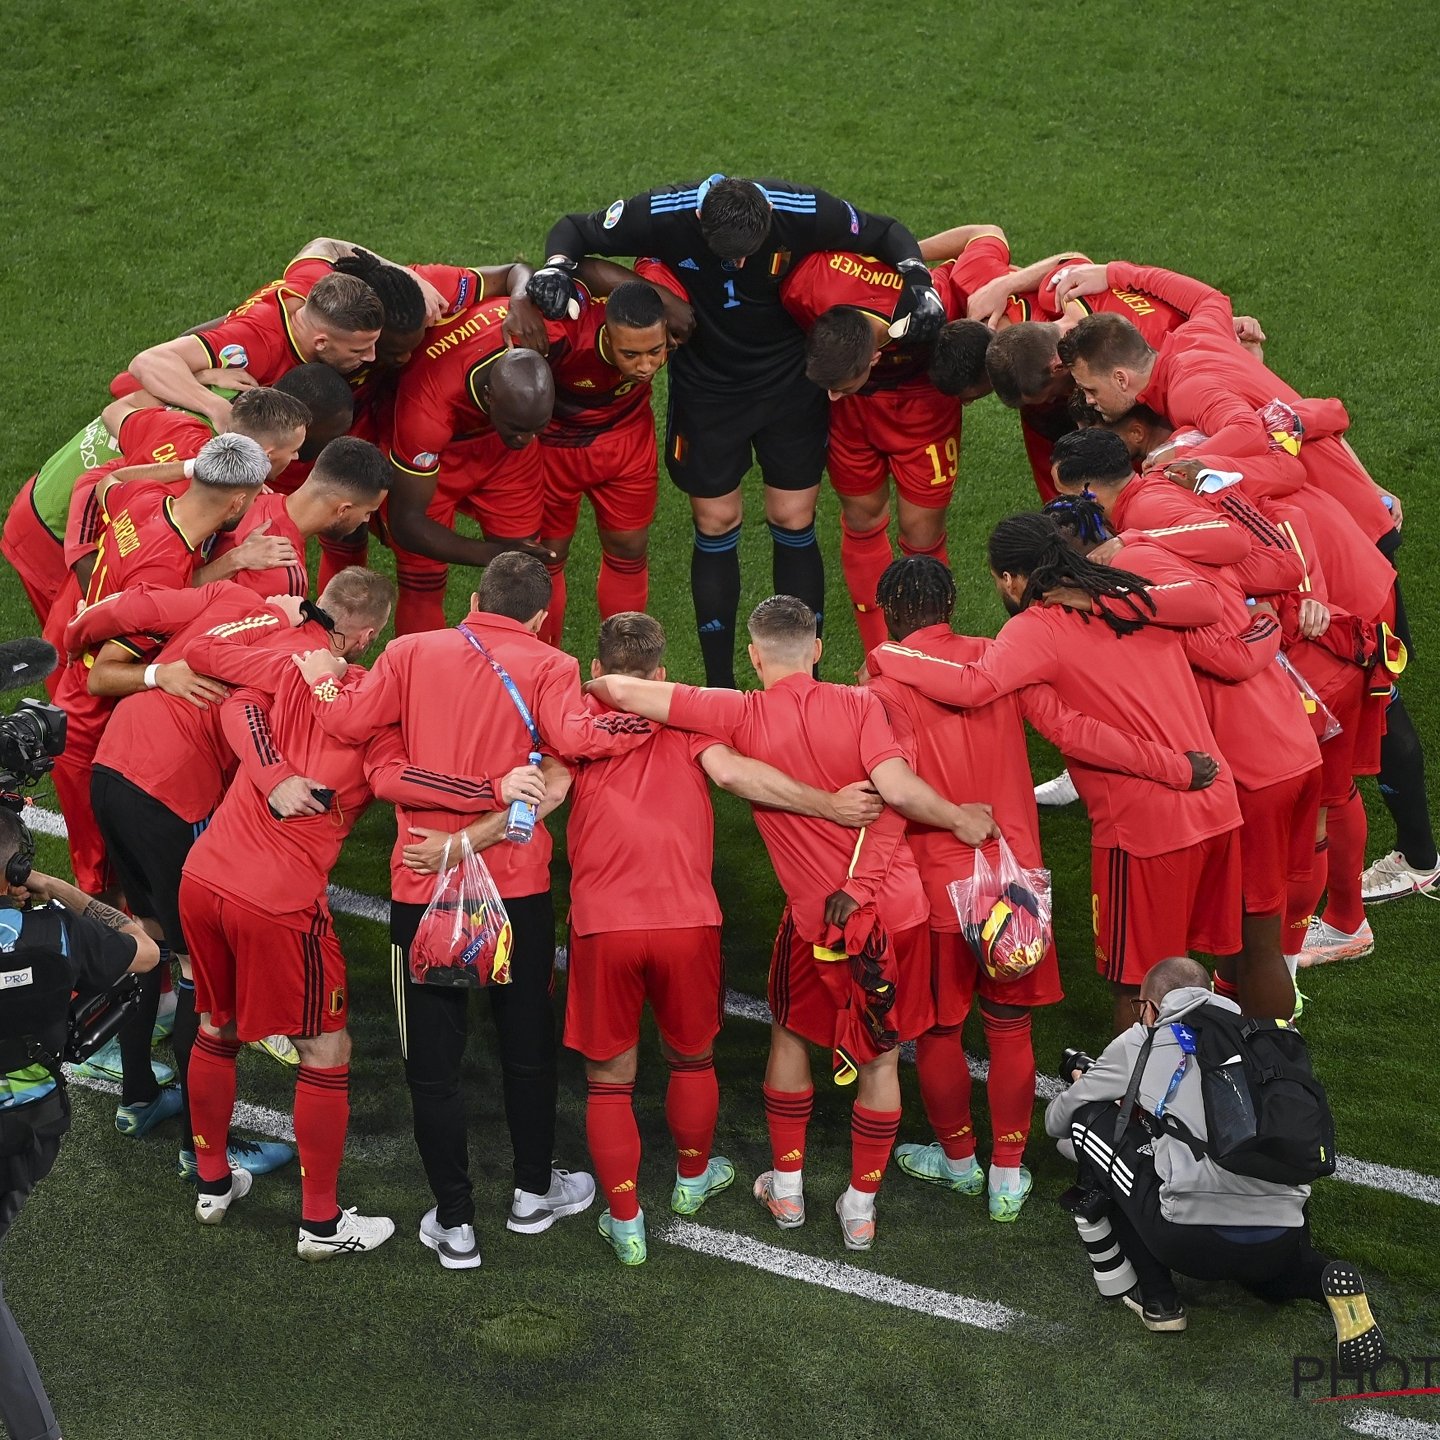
(232, 462)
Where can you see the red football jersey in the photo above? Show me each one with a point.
(300, 275)
(269, 507)
(984, 259)
(642, 838)
(979, 755)
(174, 751)
(828, 736)
(280, 868)
(1202, 377)
(591, 395)
(1140, 683)
(453, 709)
(1148, 313)
(459, 284)
(441, 394)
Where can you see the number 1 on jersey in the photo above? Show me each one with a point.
(731, 299)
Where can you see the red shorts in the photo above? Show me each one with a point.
(84, 725)
(613, 974)
(268, 978)
(912, 434)
(1356, 749)
(501, 488)
(1145, 911)
(956, 977)
(1277, 839)
(617, 471)
(801, 1001)
(37, 556)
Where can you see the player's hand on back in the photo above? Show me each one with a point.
(1076, 280)
(178, 679)
(435, 306)
(230, 379)
(524, 782)
(288, 606)
(856, 805)
(1203, 769)
(316, 665)
(292, 798)
(1071, 597)
(679, 317)
(920, 313)
(260, 550)
(524, 326)
(974, 824)
(426, 853)
(987, 304)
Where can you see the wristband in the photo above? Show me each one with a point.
(189, 468)
(150, 676)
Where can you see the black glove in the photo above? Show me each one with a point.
(920, 314)
(552, 289)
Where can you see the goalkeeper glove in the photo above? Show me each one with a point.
(552, 290)
(919, 315)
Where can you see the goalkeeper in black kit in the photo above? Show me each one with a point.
(738, 386)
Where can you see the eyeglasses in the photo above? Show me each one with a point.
(1138, 1007)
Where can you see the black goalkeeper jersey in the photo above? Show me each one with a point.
(744, 340)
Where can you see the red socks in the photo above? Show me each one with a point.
(614, 1140)
(1011, 1085)
(1227, 989)
(936, 551)
(1303, 899)
(945, 1090)
(872, 1138)
(421, 601)
(211, 1081)
(335, 558)
(787, 1114)
(1347, 831)
(322, 1115)
(623, 585)
(692, 1105)
(863, 558)
(553, 630)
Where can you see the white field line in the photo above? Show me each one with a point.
(260, 1119)
(1389, 1178)
(833, 1275)
(1391, 1427)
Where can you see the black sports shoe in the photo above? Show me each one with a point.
(1164, 1313)
(1358, 1341)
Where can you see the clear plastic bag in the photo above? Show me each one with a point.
(1005, 914)
(1327, 727)
(464, 936)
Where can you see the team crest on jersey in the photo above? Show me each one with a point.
(730, 265)
(233, 357)
(613, 214)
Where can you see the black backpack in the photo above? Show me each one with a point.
(1266, 1115)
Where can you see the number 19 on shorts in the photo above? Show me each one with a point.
(944, 473)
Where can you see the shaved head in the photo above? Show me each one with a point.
(522, 396)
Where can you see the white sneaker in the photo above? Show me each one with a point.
(354, 1235)
(569, 1194)
(857, 1220)
(210, 1209)
(1059, 791)
(456, 1246)
(1392, 877)
(277, 1047)
(1325, 944)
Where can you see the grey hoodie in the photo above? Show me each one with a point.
(1192, 1191)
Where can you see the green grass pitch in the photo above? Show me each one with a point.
(162, 159)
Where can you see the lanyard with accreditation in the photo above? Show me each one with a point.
(510, 687)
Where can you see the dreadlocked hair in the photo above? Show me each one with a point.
(399, 294)
(915, 591)
(1033, 546)
(1081, 516)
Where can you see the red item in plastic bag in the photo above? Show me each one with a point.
(464, 936)
(1004, 913)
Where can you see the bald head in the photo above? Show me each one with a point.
(522, 397)
(1179, 972)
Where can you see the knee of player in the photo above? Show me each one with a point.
(863, 513)
(325, 1051)
(679, 1057)
(624, 544)
(618, 1071)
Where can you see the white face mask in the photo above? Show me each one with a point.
(1211, 482)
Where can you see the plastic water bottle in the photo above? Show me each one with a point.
(520, 823)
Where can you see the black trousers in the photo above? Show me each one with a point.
(1286, 1268)
(24, 1405)
(434, 1022)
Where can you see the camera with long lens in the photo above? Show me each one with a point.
(33, 734)
(1073, 1060)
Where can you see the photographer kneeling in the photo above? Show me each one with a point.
(1151, 1198)
(46, 955)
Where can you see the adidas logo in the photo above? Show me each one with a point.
(688, 264)
(872, 1175)
(712, 627)
(1013, 1138)
(688, 1154)
(791, 1155)
(201, 1143)
(624, 1188)
(584, 384)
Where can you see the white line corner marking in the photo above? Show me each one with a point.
(833, 1275)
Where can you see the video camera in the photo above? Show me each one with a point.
(34, 734)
